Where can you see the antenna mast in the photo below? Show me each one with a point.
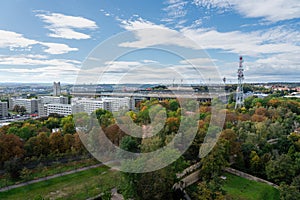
(239, 91)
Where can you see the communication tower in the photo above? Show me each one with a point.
(239, 91)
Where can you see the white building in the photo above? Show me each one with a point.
(117, 104)
(89, 105)
(3, 109)
(107, 103)
(61, 109)
(44, 100)
(53, 100)
(31, 105)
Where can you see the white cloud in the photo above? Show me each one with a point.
(149, 34)
(12, 40)
(62, 26)
(36, 60)
(270, 10)
(57, 48)
(176, 9)
(37, 68)
(251, 43)
(198, 61)
(276, 48)
(269, 41)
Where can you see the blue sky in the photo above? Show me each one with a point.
(46, 41)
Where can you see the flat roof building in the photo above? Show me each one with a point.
(3, 109)
(31, 105)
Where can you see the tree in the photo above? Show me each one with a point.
(68, 126)
(31, 146)
(43, 144)
(214, 162)
(13, 167)
(255, 163)
(128, 144)
(56, 141)
(52, 122)
(289, 192)
(105, 118)
(174, 105)
(114, 133)
(68, 142)
(172, 125)
(11, 146)
(152, 185)
(211, 190)
(27, 131)
(78, 146)
(281, 169)
(19, 109)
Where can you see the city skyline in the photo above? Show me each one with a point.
(48, 41)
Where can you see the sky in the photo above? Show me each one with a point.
(147, 41)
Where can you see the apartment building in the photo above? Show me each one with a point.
(3, 109)
(31, 105)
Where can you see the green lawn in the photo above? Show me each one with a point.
(43, 171)
(80, 185)
(240, 188)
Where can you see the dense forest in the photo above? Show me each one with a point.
(262, 138)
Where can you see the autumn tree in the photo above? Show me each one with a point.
(11, 146)
(56, 141)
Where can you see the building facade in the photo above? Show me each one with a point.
(61, 109)
(56, 89)
(3, 109)
(53, 100)
(31, 105)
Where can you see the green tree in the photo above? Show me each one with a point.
(105, 118)
(211, 190)
(68, 126)
(215, 161)
(13, 167)
(289, 192)
(282, 169)
(52, 122)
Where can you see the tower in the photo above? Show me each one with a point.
(239, 91)
(56, 89)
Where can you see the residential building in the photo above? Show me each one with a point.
(31, 105)
(53, 100)
(3, 109)
(89, 105)
(107, 103)
(61, 109)
(117, 104)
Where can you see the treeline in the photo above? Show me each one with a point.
(45, 139)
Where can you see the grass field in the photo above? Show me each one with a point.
(80, 185)
(239, 188)
(43, 171)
